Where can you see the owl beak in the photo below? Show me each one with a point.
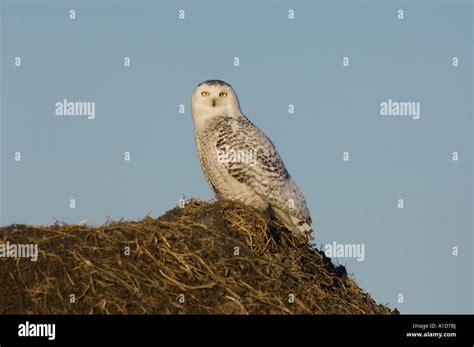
(213, 102)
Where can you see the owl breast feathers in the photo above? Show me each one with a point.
(241, 163)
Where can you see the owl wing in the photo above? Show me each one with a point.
(259, 166)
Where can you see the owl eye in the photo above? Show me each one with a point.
(205, 93)
(223, 94)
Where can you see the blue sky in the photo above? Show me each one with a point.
(337, 109)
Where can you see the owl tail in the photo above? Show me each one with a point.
(297, 226)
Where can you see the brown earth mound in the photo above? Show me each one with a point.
(204, 258)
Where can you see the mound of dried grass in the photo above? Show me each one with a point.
(221, 258)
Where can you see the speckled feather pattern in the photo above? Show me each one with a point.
(267, 177)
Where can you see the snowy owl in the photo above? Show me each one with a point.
(240, 162)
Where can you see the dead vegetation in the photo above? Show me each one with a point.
(205, 258)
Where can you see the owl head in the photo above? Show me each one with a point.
(213, 98)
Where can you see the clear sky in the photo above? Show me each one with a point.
(408, 251)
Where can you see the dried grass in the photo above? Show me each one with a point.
(190, 251)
